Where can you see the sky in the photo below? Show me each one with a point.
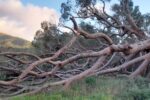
(22, 18)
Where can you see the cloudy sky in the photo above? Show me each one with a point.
(22, 18)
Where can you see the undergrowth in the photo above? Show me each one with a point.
(99, 88)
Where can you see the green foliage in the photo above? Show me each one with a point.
(139, 94)
(146, 25)
(105, 88)
(79, 91)
(85, 3)
(99, 96)
(90, 81)
(88, 27)
(119, 13)
(66, 10)
(138, 89)
(41, 97)
(47, 39)
(2, 76)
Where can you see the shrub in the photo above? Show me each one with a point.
(91, 81)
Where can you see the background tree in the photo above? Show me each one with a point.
(47, 39)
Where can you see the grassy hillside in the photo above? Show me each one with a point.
(13, 42)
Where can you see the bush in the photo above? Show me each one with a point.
(138, 89)
(91, 81)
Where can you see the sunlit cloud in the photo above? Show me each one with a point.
(21, 20)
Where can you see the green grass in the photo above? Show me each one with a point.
(100, 88)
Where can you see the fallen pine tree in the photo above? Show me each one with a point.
(26, 74)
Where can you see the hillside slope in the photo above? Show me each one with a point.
(13, 42)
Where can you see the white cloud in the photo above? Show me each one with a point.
(23, 20)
